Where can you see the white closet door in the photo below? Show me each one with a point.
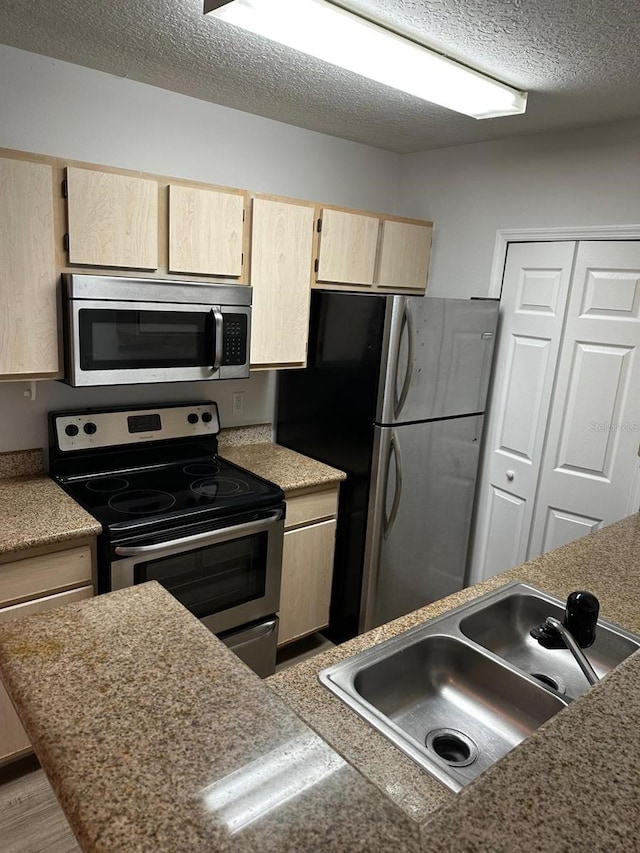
(588, 465)
(534, 296)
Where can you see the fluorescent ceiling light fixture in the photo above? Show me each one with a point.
(332, 34)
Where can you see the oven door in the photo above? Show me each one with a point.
(112, 342)
(227, 576)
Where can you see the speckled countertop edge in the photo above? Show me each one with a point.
(21, 463)
(243, 435)
(146, 724)
(606, 562)
(35, 511)
(286, 468)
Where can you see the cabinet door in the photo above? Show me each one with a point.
(403, 259)
(113, 219)
(307, 571)
(348, 244)
(13, 738)
(28, 322)
(205, 231)
(281, 254)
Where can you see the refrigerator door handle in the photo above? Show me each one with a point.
(405, 328)
(394, 452)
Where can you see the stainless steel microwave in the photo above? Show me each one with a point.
(138, 330)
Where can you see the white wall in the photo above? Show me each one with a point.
(589, 177)
(55, 108)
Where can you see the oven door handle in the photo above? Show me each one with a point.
(218, 326)
(209, 538)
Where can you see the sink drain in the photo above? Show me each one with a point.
(556, 684)
(452, 746)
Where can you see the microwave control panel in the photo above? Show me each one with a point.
(234, 338)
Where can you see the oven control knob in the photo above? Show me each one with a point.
(193, 418)
(89, 428)
(207, 417)
(71, 430)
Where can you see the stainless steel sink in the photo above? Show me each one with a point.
(502, 626)
(460, 691)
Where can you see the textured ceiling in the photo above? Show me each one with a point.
(579, 60)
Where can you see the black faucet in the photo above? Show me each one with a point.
(576, 631)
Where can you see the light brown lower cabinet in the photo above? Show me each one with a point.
(307, 571)
(307, 562)
(19, 581)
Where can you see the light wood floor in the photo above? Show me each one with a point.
(302, 650)
(31, 821)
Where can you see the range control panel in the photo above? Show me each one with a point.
(103, 428)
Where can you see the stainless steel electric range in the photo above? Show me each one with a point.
(172, 510)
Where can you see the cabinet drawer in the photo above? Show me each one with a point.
(314, 506)
(49, 602)
(34, 577)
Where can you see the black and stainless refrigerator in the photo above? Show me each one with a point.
(394, 395)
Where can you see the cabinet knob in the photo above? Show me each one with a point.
(510, 475)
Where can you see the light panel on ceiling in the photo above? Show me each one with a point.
(320, 29)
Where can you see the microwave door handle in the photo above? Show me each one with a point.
(218, 326)
(209, 538)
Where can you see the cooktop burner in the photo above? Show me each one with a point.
(201, 469)
(142, 502)
(108, 484)
(220, 487)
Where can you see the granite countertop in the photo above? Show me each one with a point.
(606, 563)
(193, 752)
(155, 737)
(290, 470)
(33, 509)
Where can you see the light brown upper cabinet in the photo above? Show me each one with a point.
(375, 251)
(206, 231)
(403, 258)
(28, 321)
(112, 219)
(281, 256)
(347, 247)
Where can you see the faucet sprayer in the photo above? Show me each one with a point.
(577, 630)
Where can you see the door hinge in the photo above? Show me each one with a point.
(65, 242)
(319, 227)
(242, 259)
(243, 213)
(65, 189)
(316, 265)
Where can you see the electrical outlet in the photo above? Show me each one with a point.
(237, 402)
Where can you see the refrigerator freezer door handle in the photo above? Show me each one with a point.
(406, 328)
(394, 451)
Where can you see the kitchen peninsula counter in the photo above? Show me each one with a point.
(156, 738)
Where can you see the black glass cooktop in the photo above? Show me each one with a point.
(151, 495)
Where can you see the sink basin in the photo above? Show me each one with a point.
(449, 706)
(458, 692)
(502, 626)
